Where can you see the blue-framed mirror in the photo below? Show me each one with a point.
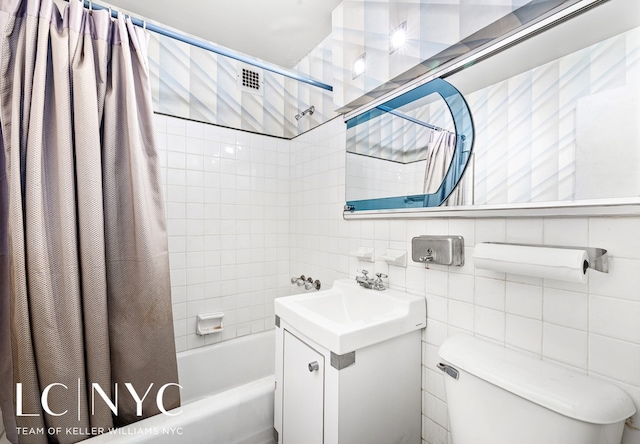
(411, 151)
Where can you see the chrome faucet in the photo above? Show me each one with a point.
(364, 280)
(367, 282)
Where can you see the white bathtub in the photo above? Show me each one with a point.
(227, 398)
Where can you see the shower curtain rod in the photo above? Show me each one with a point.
(409, 118)
(212, 48)
(416, 121)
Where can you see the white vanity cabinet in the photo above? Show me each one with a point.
(303, 398)
(367, 396)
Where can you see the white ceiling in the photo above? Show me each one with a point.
(281, 32)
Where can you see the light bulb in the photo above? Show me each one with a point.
(359, 65)
(398, 37)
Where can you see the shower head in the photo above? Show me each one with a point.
(309, 111)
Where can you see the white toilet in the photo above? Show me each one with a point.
(500, 396)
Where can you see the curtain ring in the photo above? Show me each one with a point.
(110, 12)
(144, 25)
(90, 5)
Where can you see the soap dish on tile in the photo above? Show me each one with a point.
(395, 257)
(366, 254)
(207, 324)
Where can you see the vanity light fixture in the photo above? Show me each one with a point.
(359, 65)
(398, 37)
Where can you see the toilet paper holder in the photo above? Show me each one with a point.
(598, 258)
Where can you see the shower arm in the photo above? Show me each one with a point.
(309, 111)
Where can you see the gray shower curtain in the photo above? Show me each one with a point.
(84, 275)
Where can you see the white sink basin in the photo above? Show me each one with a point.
(348, 317)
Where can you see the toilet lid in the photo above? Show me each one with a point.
(557, 388)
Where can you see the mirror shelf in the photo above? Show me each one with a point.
(588, 208)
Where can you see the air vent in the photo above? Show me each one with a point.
(250, 79)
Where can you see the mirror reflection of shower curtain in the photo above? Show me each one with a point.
(439, 154)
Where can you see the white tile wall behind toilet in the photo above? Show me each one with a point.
(592, 328)
(227, 199)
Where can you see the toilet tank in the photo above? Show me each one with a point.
(497, 395)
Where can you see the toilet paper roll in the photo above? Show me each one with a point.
(560, 264)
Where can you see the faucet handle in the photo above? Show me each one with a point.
(379, 284)
(364, 272)
(308, 285)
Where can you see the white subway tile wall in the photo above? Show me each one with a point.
(227, 203)
(246, 212)
(592, 328)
